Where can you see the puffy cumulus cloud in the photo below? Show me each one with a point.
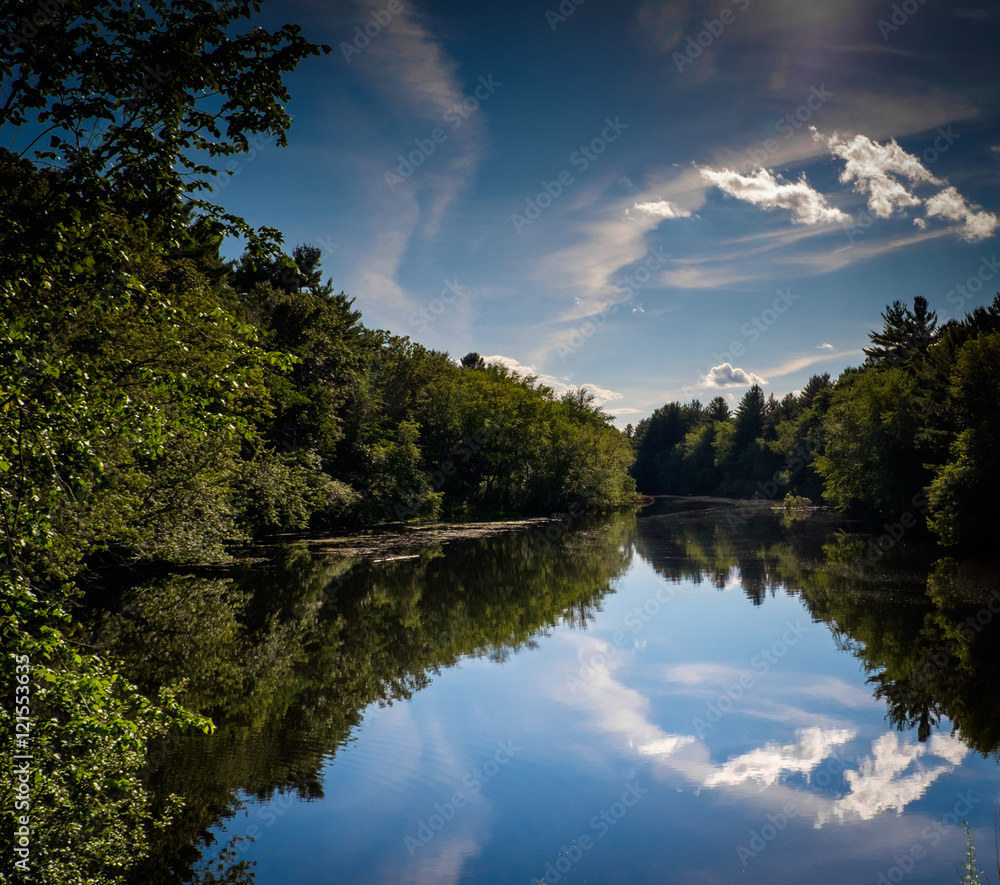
(950, 204)
(825, 346)
(730, 376)
(602, 396)
(662, 209)
(870, 167)
(762, 188)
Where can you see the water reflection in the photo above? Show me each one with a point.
(285, 657)
(289, 656)
(920, 627)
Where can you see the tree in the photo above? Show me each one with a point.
(717, 410)
(869, 459)
(965, 489)
(136, 100)
(814, 386)
(751, 415)
(904, 334)
(473, 361)
(128, 384)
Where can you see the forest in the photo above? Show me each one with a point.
(910, 436)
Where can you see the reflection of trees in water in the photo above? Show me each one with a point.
(906, 618)
(285, 658)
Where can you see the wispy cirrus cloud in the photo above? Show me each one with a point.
(798, 363)
(418, 84)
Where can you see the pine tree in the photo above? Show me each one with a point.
(904, 334)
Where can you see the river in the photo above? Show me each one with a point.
(695, 693)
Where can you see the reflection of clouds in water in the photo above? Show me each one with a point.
(879, 783)
(618, 710)
(444, 868)
(766, 764)
(665, 746)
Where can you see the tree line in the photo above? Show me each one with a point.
(911, 435)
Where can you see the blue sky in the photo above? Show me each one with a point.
(657, 200)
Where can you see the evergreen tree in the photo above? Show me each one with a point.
(751, 416)
(904, 334)
(717, 410)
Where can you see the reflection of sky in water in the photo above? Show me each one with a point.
(428, 792)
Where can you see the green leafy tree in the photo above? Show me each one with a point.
(964, 491)
(869, 460)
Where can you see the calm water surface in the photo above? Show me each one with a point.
(688, 695)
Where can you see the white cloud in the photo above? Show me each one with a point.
(730, 376)
(559, 386)
(762, 188)
(663, 209)
(797, 364)
(765, 765)
(950, 204)
(420, 83)
(880, 783)
(870, 165)
(825, 346)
